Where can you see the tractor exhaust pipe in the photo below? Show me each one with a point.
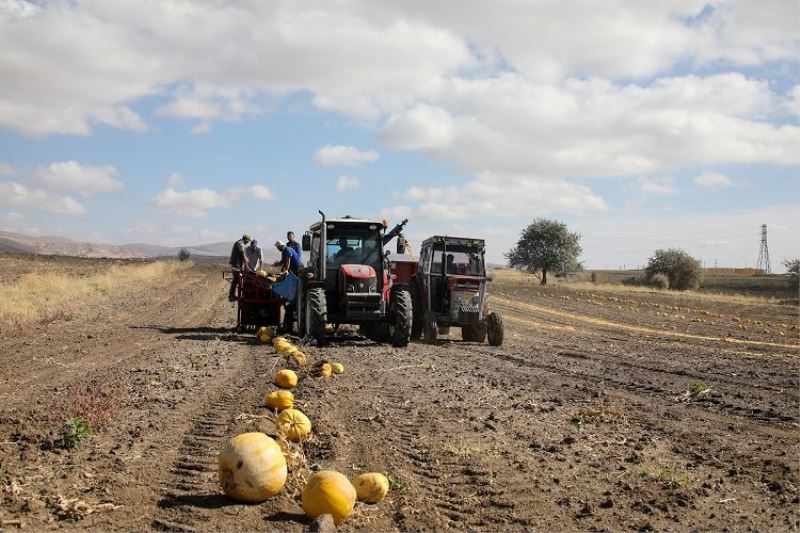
(323, 244)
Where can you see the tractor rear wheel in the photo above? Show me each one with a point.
(431, 329)
(494, 328)
(316, 314)
(402, 319)
(418, 319)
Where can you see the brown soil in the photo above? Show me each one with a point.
(580, 421)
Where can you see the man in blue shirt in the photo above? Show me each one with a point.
(294, 245)
(289, 262)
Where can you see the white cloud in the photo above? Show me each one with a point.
(651, 186)
(175, 180)
(15, 194)
(6, 170)
(11, 216)
(194, 203)
(509, 125)
(333, 155)
(202, 128)
(87, 180)
(207, 101)
(260, 192)
(496, 195)
(713, 180)
(422, 127)
(491, 91)
(346, 182)
(793, 101)
(363, 59)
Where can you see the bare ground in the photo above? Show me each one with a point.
(579, 422)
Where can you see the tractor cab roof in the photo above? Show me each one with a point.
(453, 241)
(349, 221)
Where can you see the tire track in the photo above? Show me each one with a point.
(191, 496)
(642, 389)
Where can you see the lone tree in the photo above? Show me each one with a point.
(546, 246)
(183, 254)
(682, 270)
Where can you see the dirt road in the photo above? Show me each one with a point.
(581, 420)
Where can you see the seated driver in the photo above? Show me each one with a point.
(345, 251)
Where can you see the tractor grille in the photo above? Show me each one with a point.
(364, 305)
(469, 317)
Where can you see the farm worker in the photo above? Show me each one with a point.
(294, 245)
(289, 261)
(255, 256)
(238, 261)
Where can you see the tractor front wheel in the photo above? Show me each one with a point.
(316, 314)
(402, 319)
(474, 332)
(494, 328)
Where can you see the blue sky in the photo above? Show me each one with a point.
(640, 126)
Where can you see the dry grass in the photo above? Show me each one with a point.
(45, 297)
(512, 276)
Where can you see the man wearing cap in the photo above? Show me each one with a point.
(238, 262)
(289, 262)
(255, 256)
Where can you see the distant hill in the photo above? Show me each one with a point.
(55, 245)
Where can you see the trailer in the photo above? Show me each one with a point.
(258, 303)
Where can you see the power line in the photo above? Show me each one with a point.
(672, 243)
(672, 234)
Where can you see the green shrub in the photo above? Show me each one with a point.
(793, 270)
(683, 271)
(659, 281)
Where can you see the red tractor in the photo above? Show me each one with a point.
(450, 290)
(348, 281)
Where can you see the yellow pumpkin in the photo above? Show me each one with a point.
(293, 424)
(286, 379)
(280, 400)
(371, 487)
(284, 348)
(325, 370)
(252, 467)
(278, 340)
(329, 492)
(337, 368)
(299, 358)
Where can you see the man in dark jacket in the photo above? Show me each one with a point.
(238, 262)
(294, 245)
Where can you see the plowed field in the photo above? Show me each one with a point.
(602, 410)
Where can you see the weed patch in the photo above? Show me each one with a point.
(74, 430)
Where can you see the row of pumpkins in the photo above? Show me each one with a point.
(253, 468)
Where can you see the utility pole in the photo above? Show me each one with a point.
(763, 252)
